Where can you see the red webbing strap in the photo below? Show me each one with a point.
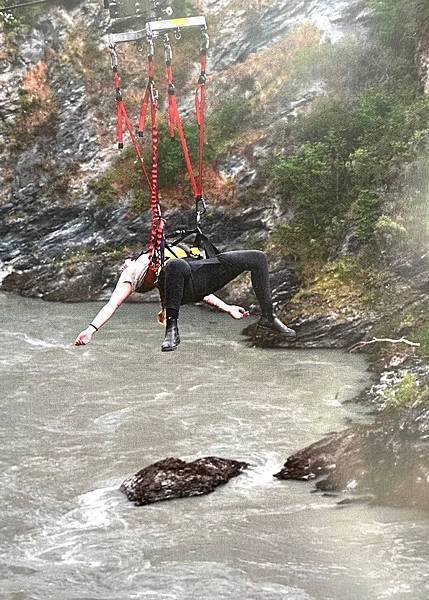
(200, 106)
(123, 119)
(154, 180)
(175, 120)
(201, 144)
(135, 143)
(119, 112)
(157, 230)
(120, 126)
(171, 93)
(178, 123)
(147, 95)
(143, 112)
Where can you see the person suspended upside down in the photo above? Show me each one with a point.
(186, 280)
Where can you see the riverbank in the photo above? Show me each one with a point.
(386, 462)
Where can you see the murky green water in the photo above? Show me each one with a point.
(77, 421)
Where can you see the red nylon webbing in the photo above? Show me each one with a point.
(120, 125)
(200, 106)
(157, 230)
(143, 112)
(175, 120)
(200, 110)
(185, 150)
(171, 117)
(135, 143)
(150, 96)
(123, 119)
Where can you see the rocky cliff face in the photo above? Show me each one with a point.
(423, 58)
(243, 29)
(57, 241)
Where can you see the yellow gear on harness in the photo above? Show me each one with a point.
(195, 252)
(175, 252)
(183, 252)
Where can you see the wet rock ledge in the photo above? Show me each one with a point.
(386, 462)
(175, 478)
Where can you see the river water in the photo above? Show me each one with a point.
(77, 421)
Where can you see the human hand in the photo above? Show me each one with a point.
(238, 312)
(84, 337)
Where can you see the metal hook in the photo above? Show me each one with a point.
(151, 48)
(168, 52)
(113, 56)
(153, 92)
(200, 208)
(205, 40)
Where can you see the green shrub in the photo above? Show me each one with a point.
(389, 233)
(316, 181)
(422, 336)
(14, 20)
(338, 178)
(406, 393)
(141, 202)
(126, 174)
(398, 20)
(349, 151)
(363, 214)
(104, 189)
(227, 120)
(8, 21)
(172, 166)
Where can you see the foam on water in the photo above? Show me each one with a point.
(36, 342)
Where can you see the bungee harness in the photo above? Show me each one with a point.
(150, 104)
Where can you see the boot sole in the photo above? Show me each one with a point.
(291, 336)
(171, 348)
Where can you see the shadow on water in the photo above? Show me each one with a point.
(77, 421)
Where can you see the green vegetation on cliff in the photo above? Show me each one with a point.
(126, 175)
(407, 394)
(352, 149)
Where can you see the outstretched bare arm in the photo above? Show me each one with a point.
(236, 312)
(119, 295)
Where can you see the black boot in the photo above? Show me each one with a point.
(172, 338)
(272, 323)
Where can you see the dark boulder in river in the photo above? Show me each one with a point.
(389, 459)
(175, 478)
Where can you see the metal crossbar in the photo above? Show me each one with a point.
(157, 28)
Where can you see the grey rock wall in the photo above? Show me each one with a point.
(48, 213)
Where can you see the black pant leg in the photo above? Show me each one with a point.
(176, 283)
(255, 261)
(189, 281)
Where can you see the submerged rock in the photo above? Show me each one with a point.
(388, 460)
(175, 478)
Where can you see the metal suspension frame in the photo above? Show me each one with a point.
(152, 31)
